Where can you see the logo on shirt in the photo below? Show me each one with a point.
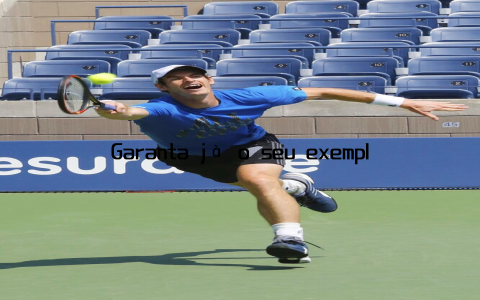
(296, 88)
(204, 127)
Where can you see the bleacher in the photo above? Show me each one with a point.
(412, 48)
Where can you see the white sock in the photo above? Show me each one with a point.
(293, 187)
(291, 229)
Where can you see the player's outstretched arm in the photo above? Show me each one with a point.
(122, 112)
(420, 107)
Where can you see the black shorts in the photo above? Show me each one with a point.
(224, 167)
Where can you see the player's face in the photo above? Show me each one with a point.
(186, 82)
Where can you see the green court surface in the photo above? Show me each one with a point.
(196, 246)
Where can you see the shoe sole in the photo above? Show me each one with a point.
(303, 260)
(285, 252)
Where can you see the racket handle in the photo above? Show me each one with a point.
(105, 106)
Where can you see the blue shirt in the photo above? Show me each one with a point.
(173, 125)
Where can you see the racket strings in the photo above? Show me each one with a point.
(75, 95)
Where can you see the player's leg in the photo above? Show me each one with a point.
(279, 209)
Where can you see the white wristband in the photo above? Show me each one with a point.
(387, 100)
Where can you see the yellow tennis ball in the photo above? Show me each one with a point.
(102, 78)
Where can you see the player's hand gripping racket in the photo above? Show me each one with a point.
(74, 97)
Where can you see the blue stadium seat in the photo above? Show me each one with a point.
(438, 87)
(245, 26)
(415, 19)
(288, 68)
(132, 38)
(465, 22)
(316, 36)
(471, 48)
(112, 55)
(455, 34)
(375, 84)
(208, 52)
(347, 66)
(155, 24)
(144, 67)
(360, 49)
(57, 68)
(399, 34)
(230, 36)
(128, 88)
(262, 8)
(295, 50)
(41, 88)
(394, 6)
(240, 82)
(335, 23)
(464, 6)
(301, 7)
(444, 65)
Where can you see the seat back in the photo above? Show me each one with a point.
(154, 25)
(455, 34)
(188, 50)
(58, 68)
(361, 49)
(464, 6)
(398, 34)
(471, 48)
(241, 7)
(374, 84)
(347, 6)
(240, 82)
(132, 38)
(467, 65)
(465, 22)
(318, 35)
(423, 85)
(339, 20)
(144, 67)
(412, 19)
(213, 35)
(275, 49)
(127, 88)
(393, 6)
(247, 23)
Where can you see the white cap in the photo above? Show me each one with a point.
(159, 73)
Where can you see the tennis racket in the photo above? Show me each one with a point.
(74, 96)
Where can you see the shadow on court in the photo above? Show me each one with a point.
(177, 259)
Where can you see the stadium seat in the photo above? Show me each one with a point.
(415, 19)
(240, 82)
(316, 36)
(261, 8)
(57, 68)
(144, 67)
(455, 34)
(230, 36)
(208, 52)
(288, 68)
(394, 6)
(155, 24)
(347, 66)
(438, 87)
(335, 23)
(470, 48)
(302, 51)
(132, 38)
(41, 88)
(464, 6)
(250, 22)
(465, 22)
(444, 65)
(128, 88)
(374, 84)
(112, 55)
(399, 34)
(360, 49)
(302, 7)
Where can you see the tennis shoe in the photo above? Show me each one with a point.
(289, 250)
(312, 198)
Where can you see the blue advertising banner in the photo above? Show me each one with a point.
(332, 163)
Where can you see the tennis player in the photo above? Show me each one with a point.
(224, 144)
